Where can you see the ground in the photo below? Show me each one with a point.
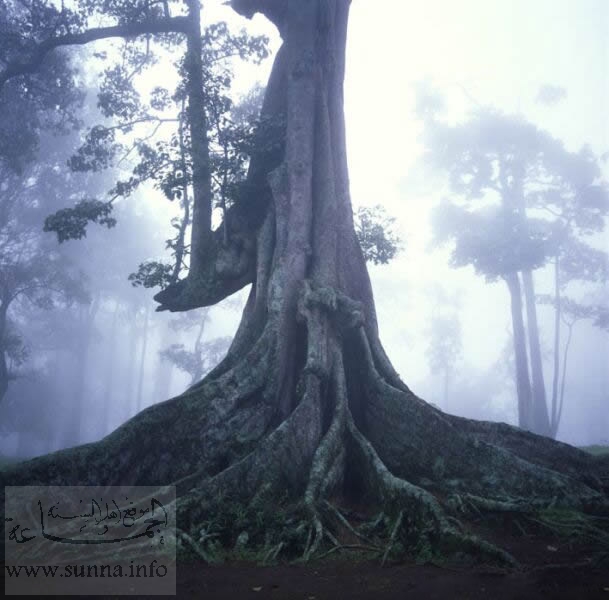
(553, 565)
(335, 578)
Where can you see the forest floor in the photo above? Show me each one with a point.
(553, 567)
(550, 575)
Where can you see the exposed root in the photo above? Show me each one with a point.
(327, 465)
(461, 502)
(357, 547)
(572, 525)
(272, 554)
(344, 522)
(426, 518)
(196, 548)
(394, 532)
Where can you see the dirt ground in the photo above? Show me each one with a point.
(370, 581)
(552, 569)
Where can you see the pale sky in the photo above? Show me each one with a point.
(491, 52)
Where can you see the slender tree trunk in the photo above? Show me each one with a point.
(446, 385)
(4, 374)
(201, 175)
(523, 383)
(23, 449)
(164, 369)
(130, 369)
(198, 350)
(107, 399)
(556, 374)
(140, 382)
(76, 411)
(540, 420)
(564, 375)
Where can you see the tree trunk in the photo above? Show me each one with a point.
(130, 370)
(561, 397)
(24, 440)
(198, 351)
(164, 369)
(556, 374)
(4, 374)
(109, 376)
(446, 382)
(523, 383)
(73, 430)
(201, 174)
(540, 420)
(306, 406)
(140, 382)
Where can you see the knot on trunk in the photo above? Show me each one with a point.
(235, 258)
(347, 313)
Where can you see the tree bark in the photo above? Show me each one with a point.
(201, 175)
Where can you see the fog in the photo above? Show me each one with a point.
(434, 93)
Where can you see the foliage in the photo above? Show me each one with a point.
(34, 274)
(204, 355)
(152, 274)
(154, 134)
(150, 131)
(376, 234)
(484, 240)
(71, 223)
(40, 101)
(507, 166)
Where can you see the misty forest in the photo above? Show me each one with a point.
(343, 284)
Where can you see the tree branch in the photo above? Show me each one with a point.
(274, 10)
(167, 25)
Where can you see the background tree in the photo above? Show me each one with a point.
(537, 203)
(205, 354)
(444, 350)
(32, 269)
(35, 107)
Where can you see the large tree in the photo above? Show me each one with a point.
(306, 407)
